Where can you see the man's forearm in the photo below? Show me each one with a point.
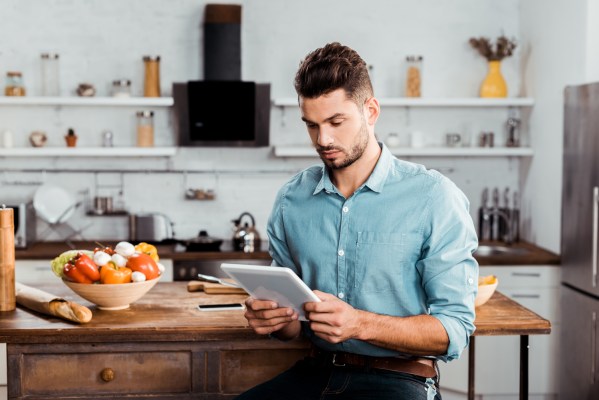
(421, 335)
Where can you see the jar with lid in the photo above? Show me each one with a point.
(151, 76)
(121, 88)
(14, 84)
(145, 128)
(413, 76)
(50, 74)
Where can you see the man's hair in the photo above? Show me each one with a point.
(333, 67)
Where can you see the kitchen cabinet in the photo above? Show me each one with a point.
(536, 287)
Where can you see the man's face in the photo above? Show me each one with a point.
(337, 128)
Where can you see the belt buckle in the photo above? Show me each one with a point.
(335, 362)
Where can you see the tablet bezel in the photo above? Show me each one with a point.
(282, 284)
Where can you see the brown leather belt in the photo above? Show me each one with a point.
(420, 367)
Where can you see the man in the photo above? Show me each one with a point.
(385, 244)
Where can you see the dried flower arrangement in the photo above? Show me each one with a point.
(497, 51)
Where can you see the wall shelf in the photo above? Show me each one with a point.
(89, 152)
(87, 101)
(309, 152)
(433, 102)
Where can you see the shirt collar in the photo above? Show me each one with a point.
(375, 181)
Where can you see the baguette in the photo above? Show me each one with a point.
(47, 303)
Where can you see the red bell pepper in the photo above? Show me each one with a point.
(72, 273)
(82, 269)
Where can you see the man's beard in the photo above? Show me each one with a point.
(354, 154)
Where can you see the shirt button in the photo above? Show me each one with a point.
(470, 281)
(345, 209)
(341, 295)
(341, 253)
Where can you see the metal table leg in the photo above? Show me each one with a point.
(523, 367)
(471, 369)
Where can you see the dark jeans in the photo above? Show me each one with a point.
(310, 379)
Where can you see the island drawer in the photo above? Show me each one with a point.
(136, 372)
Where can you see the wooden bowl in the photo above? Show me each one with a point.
(486, 288)
(112, 297)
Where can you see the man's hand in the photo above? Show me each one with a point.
(266, 317)
(332, 319)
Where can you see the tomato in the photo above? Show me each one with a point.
(73, 274)
(111, 274)
(144, 264)
(86, 266)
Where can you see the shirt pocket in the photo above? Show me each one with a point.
(379, 259)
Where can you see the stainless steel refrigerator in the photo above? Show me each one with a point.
(579, 377)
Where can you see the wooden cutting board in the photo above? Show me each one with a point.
(213, 288)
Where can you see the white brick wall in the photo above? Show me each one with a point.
(102, 40)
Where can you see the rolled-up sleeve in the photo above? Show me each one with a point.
(448, 269)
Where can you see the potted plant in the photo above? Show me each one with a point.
(494, 85)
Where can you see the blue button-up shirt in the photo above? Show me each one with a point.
(400, 245)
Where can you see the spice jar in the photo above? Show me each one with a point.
(14, 84)
(71, 138)
(50, 75)
(145, 128)
(152, 76)
(121, 88)
(413, 76)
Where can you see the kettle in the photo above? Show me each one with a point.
(246, 238)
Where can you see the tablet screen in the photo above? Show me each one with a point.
(279, 284)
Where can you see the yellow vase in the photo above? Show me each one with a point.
(494, 85)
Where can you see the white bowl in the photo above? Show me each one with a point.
(486, 288)
(112, 296)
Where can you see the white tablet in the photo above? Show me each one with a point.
(279, 284)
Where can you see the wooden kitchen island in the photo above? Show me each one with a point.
(161, 347)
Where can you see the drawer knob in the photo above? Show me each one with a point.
(107, 374)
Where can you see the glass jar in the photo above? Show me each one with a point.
(14, 84)
(151, 76)
(121, 88)
(145, 128)
(50, 74)
(413, 76)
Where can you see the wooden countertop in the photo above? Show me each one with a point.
(168, 312)
(49, 250)
(502, 316)
(536, 255)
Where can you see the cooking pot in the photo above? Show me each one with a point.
(203, 242)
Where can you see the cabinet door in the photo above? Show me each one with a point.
(497, 366)
(497, 359)
(579, 346)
